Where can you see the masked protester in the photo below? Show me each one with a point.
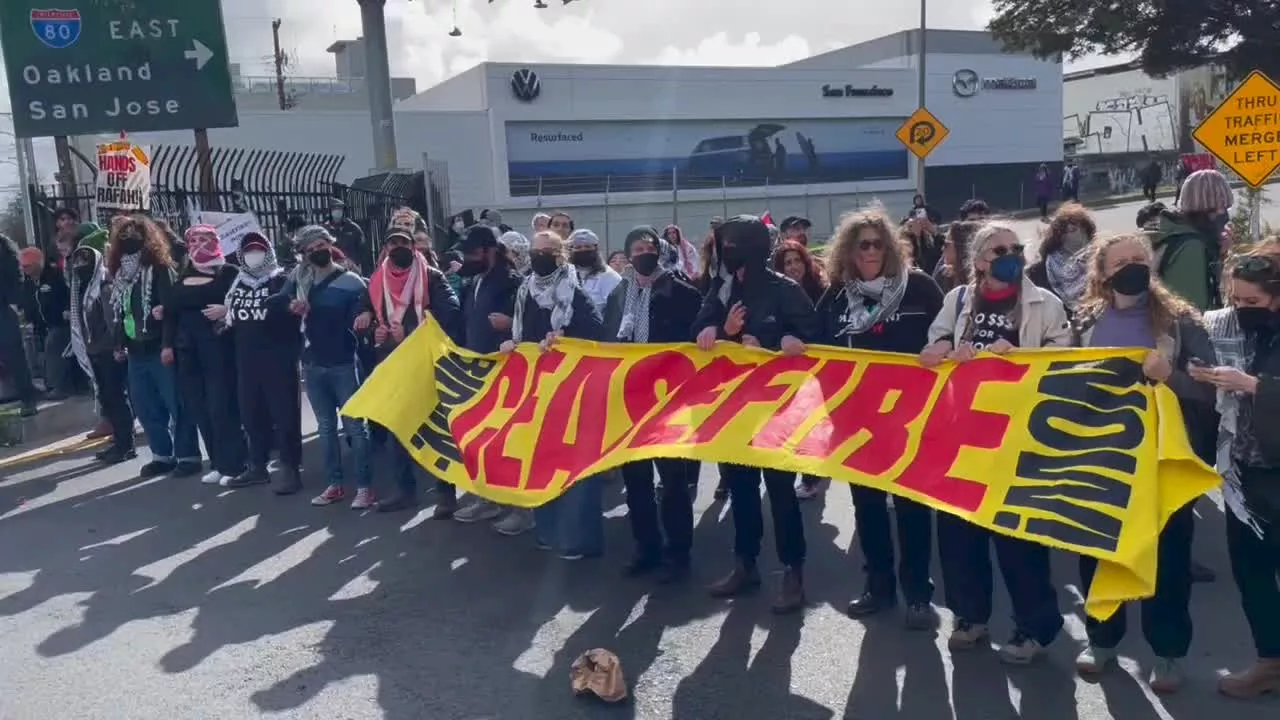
(328, 299)
(12, 354)
(142, 280)
(687, 260)
(267, 343)
(551, 304)
(1064, 256)
(598, 279)
(1124, 305)
(349, 237)
(1188, 241)
(196, 342)
(1246, 336)
(878, 302)
(92, 333)
(759, 308)
(999, 310)
(402, 291)
(488, 308)
(652, 305)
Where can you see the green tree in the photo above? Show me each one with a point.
(1166, 35)
(11, 222)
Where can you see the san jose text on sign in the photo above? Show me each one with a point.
(116, 66)
(1244, 131)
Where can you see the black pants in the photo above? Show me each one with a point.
(1043, 203)
(1255, 563)
(13, 356)
(875, 537)
(207, 391)
(964, 552)
(748, 515)
(112, 378)
(675, 509)
(1149, 192)
(270, 404)
(1166, 616)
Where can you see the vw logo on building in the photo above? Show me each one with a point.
(525, 85)
(965, 83)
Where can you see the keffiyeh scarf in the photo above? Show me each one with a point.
(885, 293)
(635, 311)
(91, 294)
(553, 292)
(131, 273)
(252, 278)
(1067, 276)
(1233, 350)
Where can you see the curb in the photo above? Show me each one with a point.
(56, 422)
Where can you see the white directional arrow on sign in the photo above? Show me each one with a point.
(200, 53)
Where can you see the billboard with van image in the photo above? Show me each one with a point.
(565, 158)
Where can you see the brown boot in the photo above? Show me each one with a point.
(101, 430)
(791, 594)
(741, 580)
(1262, 678)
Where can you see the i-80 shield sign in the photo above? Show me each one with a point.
(57, 29)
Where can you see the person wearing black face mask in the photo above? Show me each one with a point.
(598, 279)
(655, 305)
(403, 289)
(1124, 305)
(488, 304)
(761, 308)
(91, 324)
(1246, 336)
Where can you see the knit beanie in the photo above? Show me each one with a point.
(1206, 191)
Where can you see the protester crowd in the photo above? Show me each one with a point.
(202, 347)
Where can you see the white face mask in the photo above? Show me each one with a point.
(254, 259)
(335, 214)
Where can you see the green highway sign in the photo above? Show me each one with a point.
(89, 66)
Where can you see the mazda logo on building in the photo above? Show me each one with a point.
(525, 85)
(965, 83)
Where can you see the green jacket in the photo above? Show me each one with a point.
(1185, 259)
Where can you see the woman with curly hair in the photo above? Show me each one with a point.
(998, 310)
(796, 262)
(142, 275)
(1064, 255)
(878, 301)
(1125, 305)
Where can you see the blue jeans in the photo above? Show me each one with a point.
(574, 522)
(153, 390)
(328, 389)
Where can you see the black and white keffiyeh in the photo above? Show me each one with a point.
(1233, 350)
(635, 310)
(131, 273)
(552, 292)
(252, 278)
(1068, 274)
(82, 298)
(883, 294)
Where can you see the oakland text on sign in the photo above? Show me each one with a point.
(922, 132)
(1244, 131)
(116, 66)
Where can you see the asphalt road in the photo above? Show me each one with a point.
(129, 600)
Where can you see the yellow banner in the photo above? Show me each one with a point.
(1069, 448)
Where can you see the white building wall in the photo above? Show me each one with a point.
(1121, 113)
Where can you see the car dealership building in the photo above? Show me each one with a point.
(621, 145)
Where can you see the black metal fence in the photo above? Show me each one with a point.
(275, 186)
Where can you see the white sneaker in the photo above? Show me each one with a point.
(225, 480)
(213, 477)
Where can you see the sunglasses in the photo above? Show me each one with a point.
(870, 245)
(1255, 264)
(1002, 250)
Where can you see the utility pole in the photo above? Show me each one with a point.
(920, 81)
(373, 22)
(278, 57)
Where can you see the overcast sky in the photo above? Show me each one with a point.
(671, 32)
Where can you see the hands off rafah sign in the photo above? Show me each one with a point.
(124, 176)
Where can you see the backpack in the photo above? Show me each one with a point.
(1167, 251)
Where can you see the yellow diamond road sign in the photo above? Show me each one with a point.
(1244, 131)
(922, 132)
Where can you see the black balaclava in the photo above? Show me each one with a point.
(750, 238)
